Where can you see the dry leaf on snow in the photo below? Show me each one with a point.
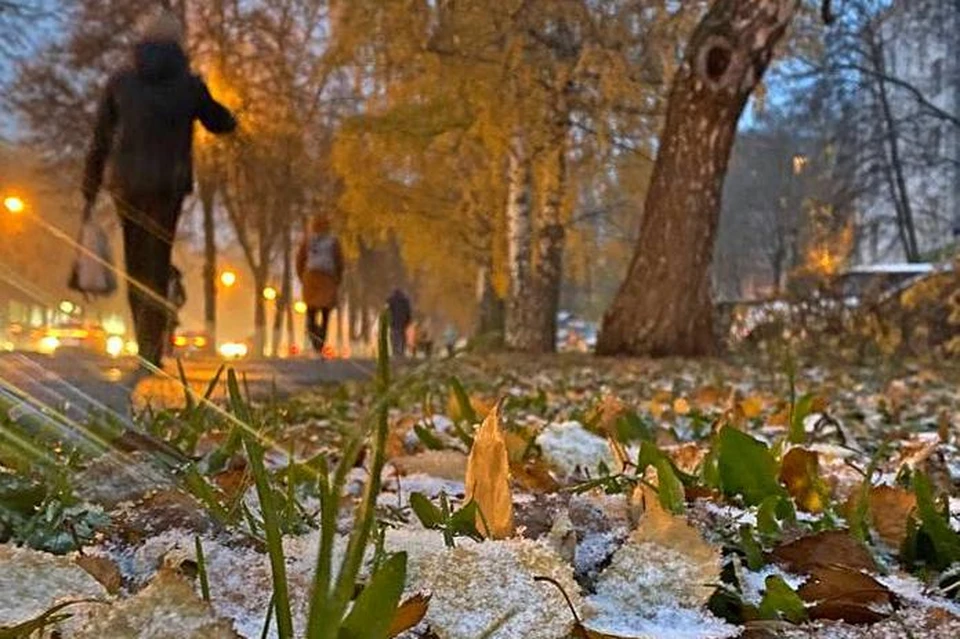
(827, 548)
(488, 478)
(664, 560)
(845, 594)
(890, 509)
(103, 570)
(410, 613)
(168, 607)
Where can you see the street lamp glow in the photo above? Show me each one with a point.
(68, 307)
(269, 293)
(300, 308)
(14, 205)
(228, 278)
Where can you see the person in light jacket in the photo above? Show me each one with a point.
(320, 268)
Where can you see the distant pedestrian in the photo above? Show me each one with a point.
(144, 132)
(320, 267)
(450, 337)
(423, 338)
(401, 316)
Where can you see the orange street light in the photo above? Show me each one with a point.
(300, 308)
(269, 293)
(228, 279)
(14, 204)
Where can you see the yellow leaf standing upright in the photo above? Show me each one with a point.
(488, 478)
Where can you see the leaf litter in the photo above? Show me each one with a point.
(579, 429)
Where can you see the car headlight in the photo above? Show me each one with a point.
(233, 350)
(49, 344)
(115, 346)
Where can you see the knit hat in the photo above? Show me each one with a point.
(162, 26)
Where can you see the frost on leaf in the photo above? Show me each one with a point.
(32, 582)
(168, 607)
(488, 478)
(474, 586)
(662, 572)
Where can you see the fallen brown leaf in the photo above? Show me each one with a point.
(410, 613)
(534, 476)
(233, 482)
(827, 548)
(445, 464)
(853, 613)
(103, 570)
(800, 473)
(686, 457)
(890, 509)
(835, 585)
(488, 478)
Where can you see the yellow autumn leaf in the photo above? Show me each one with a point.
(752, 407)
(800, 473)
(681, 406)
(488, 478)
(656, 409)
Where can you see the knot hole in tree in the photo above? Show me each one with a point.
(715, 60)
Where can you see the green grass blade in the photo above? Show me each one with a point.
(363, 523)
(202, 569)
(374, 609)
(268, 507)
(188, 399)
(463, 399)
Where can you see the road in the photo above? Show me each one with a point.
(84, 382)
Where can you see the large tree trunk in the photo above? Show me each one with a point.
(207, 191)
(492, 310)
(664, 306)
(519, 326)
(550, 245)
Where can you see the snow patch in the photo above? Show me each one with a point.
(568, 446)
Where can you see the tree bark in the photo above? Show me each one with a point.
(551, 241)
(664, 306)
(285, 298)
(519, 329)
(259, 317)
(207, 192)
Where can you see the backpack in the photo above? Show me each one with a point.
(321, 254)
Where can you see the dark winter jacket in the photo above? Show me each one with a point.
(400, 312)
(145, 126)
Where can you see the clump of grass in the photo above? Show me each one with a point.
(330, 612)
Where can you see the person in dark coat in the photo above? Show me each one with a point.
(401, 315)
(143, 141)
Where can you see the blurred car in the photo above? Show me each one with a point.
(70, 336)
(191, 344)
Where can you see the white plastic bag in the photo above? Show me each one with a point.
(93, 271)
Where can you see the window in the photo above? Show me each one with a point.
(937, 76)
